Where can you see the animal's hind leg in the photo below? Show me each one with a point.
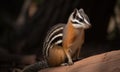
(56, 56)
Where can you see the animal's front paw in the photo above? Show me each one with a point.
(66, 64)
(70, 63)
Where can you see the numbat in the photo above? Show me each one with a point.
(63, 41)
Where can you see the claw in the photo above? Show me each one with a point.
(70, 63)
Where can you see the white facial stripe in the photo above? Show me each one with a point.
(79, 15)
(53, 33)
(58, 42)
(75, 20)
(79, 25)
(86, 21)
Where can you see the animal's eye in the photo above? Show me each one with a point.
(77, 17)
(81, 20)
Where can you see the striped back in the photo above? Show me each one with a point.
(54, 36)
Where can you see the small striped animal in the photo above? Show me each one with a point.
(64, 41)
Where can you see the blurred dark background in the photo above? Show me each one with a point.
(24, 23)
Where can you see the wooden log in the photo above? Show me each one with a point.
(106, 62)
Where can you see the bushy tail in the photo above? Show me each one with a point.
(36, 67)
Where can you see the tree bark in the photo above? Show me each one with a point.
(106, 62)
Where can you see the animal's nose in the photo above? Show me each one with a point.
(88, 26)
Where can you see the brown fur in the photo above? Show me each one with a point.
(72, 41)
(56, 56)
(69, 36)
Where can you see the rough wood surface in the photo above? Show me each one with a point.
(106, 62)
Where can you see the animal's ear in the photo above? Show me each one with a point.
(81, 10)
(75, 12)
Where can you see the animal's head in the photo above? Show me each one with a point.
(79, 19)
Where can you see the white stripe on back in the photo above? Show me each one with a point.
(58, 42)
(49, 43)
(53, 33)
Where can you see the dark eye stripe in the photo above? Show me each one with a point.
(79, 19)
